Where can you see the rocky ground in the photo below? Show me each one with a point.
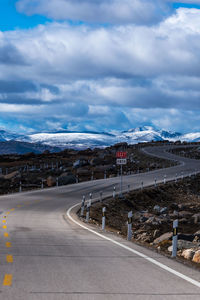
(154, 210)
(71, 166)
(192, 152)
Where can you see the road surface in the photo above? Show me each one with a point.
(46, 254)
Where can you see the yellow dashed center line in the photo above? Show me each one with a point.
(7, 280)
(4, 227)
(12, 209)
(4, 221)
(9, 258)
(6, 234)
(8, 213)
(8, 244)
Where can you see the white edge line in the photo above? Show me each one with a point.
(153, 261)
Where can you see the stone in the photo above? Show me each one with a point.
(83, 171)
(182, 244)
(196, 218)
(66, 179)
(163, 237)
(184, 214)
(156, 233)
(163, 210)
(80, 163)
(188, 254)
(51, 181)
(196, 257)
(96, 161)
(12, 175)
(157, 208)
(170, 248)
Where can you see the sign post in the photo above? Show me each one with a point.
(121, 160)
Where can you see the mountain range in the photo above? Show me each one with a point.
(54, 141)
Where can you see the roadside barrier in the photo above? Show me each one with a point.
(175, 238)
(82, 206)
(129, 231)
(103, 218)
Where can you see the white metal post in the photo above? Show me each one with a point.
(129, 233)
(121, 181)
(88, 211)
(42, 185)
(90, 197)
(175, 238)
(165, 179)
(20, 187)
(101, 194)
(103, 218)
(82, 206)
(56, 181)
(114, 192)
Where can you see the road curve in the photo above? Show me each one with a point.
(45, 254)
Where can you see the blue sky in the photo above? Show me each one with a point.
(99, 65)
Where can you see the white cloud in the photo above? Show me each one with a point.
(109, 11)
(82, 73)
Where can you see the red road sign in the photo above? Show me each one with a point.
(121, 154)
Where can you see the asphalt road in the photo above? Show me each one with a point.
(46, 254)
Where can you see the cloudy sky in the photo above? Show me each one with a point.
(99, 64)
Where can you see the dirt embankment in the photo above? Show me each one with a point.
(154, 210)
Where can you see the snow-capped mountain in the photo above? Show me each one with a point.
(7, 136)
(80, 140)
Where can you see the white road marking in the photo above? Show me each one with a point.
(153, 261)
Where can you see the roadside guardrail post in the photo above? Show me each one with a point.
(155, 182)
(114, 192)
(88, 211)
(82, 206)
(176, 178)
(175, 238)
(165, 179)
(90, 197)
(129, 233)
(42, 185)
(56, 181)
(20, 187)
(105, 175)
(103, 218)
(142, 185)
(101, 195)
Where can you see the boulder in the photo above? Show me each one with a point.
(51, 181)
(83, 171)
(66, 179)
(12, 175)
(188, 253)
(157, 208)
(163, 237)
(96, 161)
(196, 257)
(80, 163)
(196, 218)
(163, 210)
(182, 244)
(184, 214)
